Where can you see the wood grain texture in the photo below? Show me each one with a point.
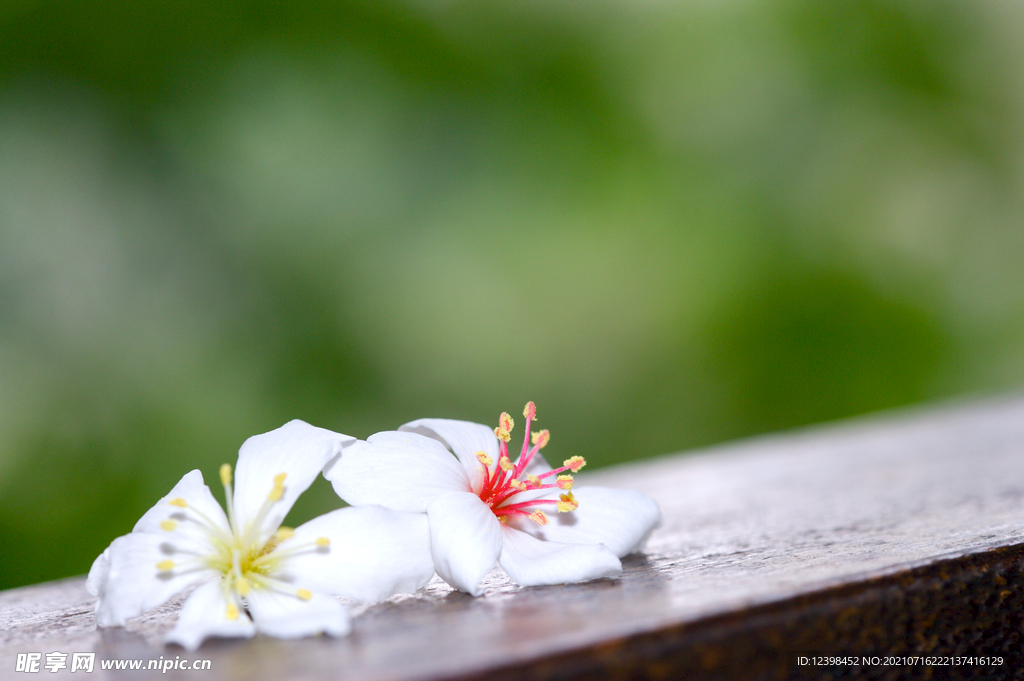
(779, 543)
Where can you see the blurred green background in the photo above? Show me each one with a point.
(667, 223)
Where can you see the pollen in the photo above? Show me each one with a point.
(502, 434)
(284, 533)
(225, 478)
(231, 612)
(505, 464)
(534, 480)
(539, 517)
(484, 459)
(323, 541)
(242, 586)
(304, 594)
(179, 502)
(575, 463)
(567, 503)
(541, 438)
(165, 565)
(168, 525)
(278, 488)
(564, 482)
(505, 422)
(517, 484)
(530, 412)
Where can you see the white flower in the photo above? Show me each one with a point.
(252, 573)
(484, 509)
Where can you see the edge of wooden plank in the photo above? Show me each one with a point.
(949, 612)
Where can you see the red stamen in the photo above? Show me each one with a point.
(498, 488)
(518, 508)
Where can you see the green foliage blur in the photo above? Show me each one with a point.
(667, 223)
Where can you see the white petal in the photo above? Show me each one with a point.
(401, 471)
(286, 616)
(464, 438)
(297, 449)
(204, 614)
(531, 562)
(374, 553)
(192, 524)
(620, 519)
(133, 582)
(465, 539)
(96, 582)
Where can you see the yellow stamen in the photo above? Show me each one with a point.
(242, 586)
(484, 459)
(225, 475)
(575, 463)
(564, 482)
(541, 438)
(505, 464)
(517, 485)
(168, 525)
(231, 612)
(323, 541)
(502, 434)
(567, 503)
(531, 411)
(505, 422)
(304, 594)
(165, 565)
(278, 489)
(539, 517)
(179, 502)
(284, 533)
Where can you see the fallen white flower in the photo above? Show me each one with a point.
(484, 509)
(252, 573)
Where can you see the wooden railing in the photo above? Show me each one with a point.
(899, 535)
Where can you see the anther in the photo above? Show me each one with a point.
(567, 503)
(323, 541)
(278, 490)
(179, 502)
(505, 422)
(534, 480)
(539, 517)
(168, 525)
(502, 434)
(564, 482)
(225, 477)
(505, 464)
(484, 459)
(304, 594)
(517, 485)
(165, 565)
(242, 586)
(231, 612)
(284, 533)
(531, 411)
(575, 463)
(541, 438)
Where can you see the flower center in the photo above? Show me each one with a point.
(503, 480)
(244, 560)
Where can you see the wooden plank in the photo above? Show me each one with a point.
(894, 533)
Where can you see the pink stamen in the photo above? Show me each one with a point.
(525, 504)
(503, 483)
(497, 501)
